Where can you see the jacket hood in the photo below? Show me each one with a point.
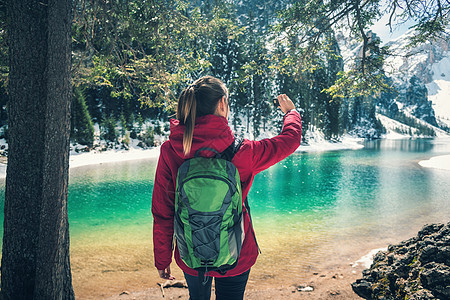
(210, 131)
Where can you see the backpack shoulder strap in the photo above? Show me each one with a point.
(231, 151)
(228, 154)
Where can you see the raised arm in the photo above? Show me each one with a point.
(268, 152)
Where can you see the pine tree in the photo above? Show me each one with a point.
(344, 117)
(109, 132)
(334, 65)
(123, 125)
(417, 96)
(254, 76)
(81, 122)
(137, 128)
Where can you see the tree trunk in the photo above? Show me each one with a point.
(35, 261)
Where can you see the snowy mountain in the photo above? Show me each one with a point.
(421, 79)
(405, 63)
(422, 72)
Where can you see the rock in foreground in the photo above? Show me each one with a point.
(418, 268)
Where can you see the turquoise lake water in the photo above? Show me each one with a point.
(381, 187)
(306, 208)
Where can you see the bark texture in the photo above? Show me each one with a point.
(35, 259)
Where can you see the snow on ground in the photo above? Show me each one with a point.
(92, 158)
(439, 89)
(2, 170)
(314, 140)
(390, 125)
(103, 157)
(439, 132)
(367, 259)
(317, 143)
(438, 162)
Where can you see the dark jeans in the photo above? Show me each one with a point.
(227, 288)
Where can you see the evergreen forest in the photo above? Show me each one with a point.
(132, 58)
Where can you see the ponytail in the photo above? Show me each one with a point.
(189, 109)
(200, 98)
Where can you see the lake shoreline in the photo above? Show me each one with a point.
(95, 157)
(316, 144)
(127, 272)
(328, 278)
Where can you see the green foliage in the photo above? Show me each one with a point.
(303, 27)
(427, 30)
(157, 128)
(140, 122)
(148, 137)
(133, 58)
(123, 125)
(82, 128)
(137, 128)
(431, 18)
(379, 127)
(365, 78)
(144, 49)
(126, 139)
(108, 129)
(350, 84)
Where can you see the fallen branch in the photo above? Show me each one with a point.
(172, 283)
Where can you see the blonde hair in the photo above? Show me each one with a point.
(199, 99)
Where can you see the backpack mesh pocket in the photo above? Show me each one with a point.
(206, 235)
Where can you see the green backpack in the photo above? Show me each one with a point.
(208, 222)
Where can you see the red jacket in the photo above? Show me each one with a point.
(253, 157)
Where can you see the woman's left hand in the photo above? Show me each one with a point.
(165, 274)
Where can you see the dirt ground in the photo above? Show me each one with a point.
(331, 284)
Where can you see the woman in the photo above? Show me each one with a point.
(202, 122)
